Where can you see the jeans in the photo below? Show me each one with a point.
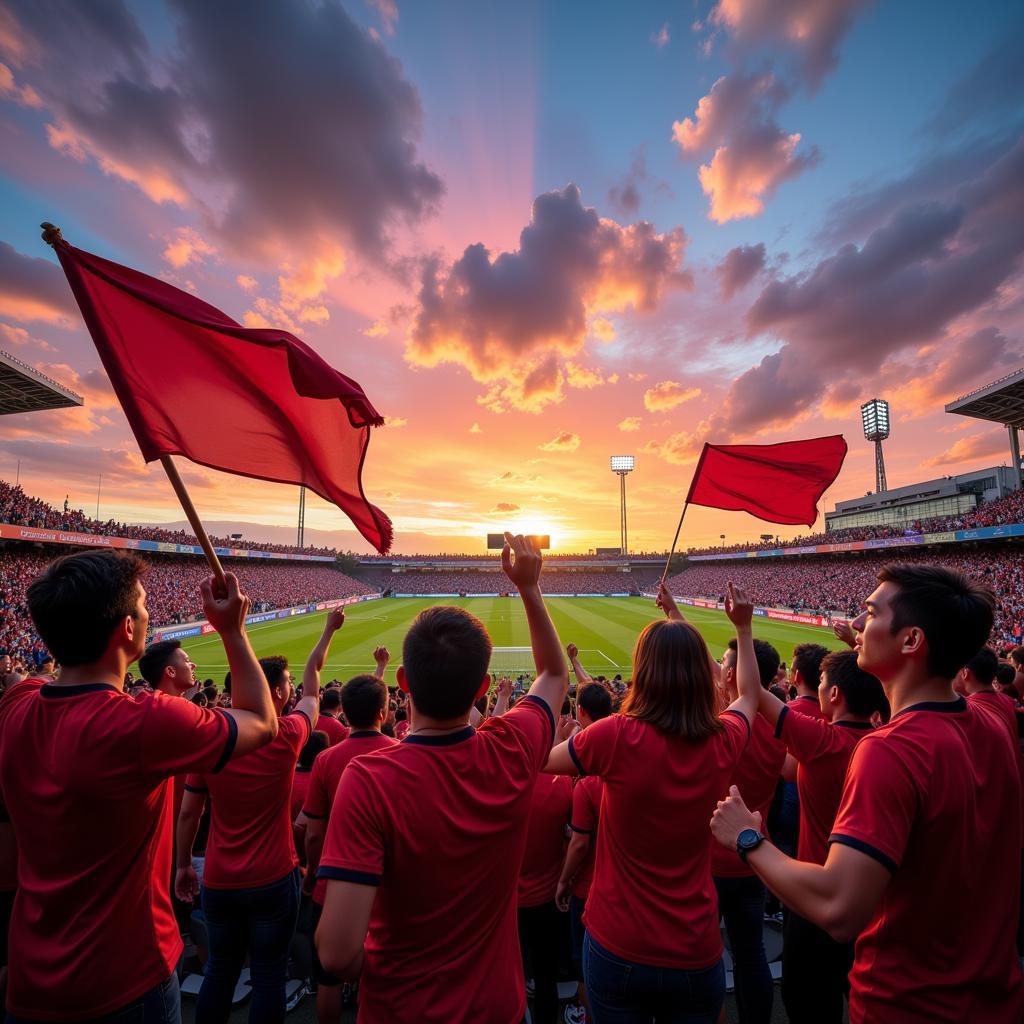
(260, 922)
(814, 973)
(540, 933)
(741, 903)
(160, 1005)
(576, 908)
(622, 992)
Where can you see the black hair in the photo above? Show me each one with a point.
(1005, 674)
(80, 599)
(331, 700)
(316, 744)
(807, 660)
(445, 655)
(954, 614)
(767, 660)
(363, 698)
(861, 690)
(595, 700)
(274, 668)
(156, 659)
(983, 666)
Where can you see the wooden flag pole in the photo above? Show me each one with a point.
(194, 521)
(675, 540)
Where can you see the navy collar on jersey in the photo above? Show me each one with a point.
(444, 740)
(55, 690)
(949, 706)
(364, 734)
(854, 725)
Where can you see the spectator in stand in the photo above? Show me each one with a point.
(250, 893)
(926, 800)
(167, 667)
(806, 679)
(414, 907)
(330, 701)
(80, 751)
(315, 745)
(329, 724)
(664, 760)
(1017, 661)
(593, 703)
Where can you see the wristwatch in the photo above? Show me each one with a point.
(747, 841)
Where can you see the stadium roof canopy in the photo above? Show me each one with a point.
(23, 389)
(1002, 401)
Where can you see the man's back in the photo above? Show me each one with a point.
(934, 796)
(85, 777)
(439, 824)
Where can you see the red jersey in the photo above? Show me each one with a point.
(300, 787)
(586, 812)
(334, 730)
(326, 774)
(550, 809)
(652, 899)
(1003, 708)
(807, 705)
(85, 773)
(251, 842)
(934, 797)
(756, 776)
(823, 750)
(427, 821)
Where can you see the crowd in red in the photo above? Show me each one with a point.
(471, 581)
(993, 513)
(837, 584)
(172, 586)
(22, 510)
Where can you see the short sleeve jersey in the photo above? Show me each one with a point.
(426, 821)
(823, 751)
(550, 808)
(652, 899)
(807, 705)
(86, 777)
(934, 797)
(333, 729)
(300, 787)
(756, 777)
(586, 812)
(326, 774)
(251, 842)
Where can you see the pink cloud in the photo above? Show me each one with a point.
(667, 394)
(34, 289)
(969, 449)
(740, 266)
(566, 441)
(630, 424)
(661, 38)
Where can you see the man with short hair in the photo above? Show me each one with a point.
(167, 667)
(364, 699)
(424, 836)
(85, 773)
(330, 709)
(815, 966)
(929, 826)
(805, 677)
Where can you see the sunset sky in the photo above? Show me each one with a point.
(537, 234)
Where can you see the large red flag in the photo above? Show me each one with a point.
(781, 483)
(193, 382)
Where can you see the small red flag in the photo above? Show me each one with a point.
(781, 483)
(193, 382)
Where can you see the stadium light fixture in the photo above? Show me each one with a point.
(622, 465)
(875, 417)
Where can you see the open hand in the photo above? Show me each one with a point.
(567, 726)
(524, 569)
(844, 631)
(738, 607)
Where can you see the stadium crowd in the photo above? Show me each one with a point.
(442, 871)
(469, 581)
(1000, 512)
(172, 587)
(18, 508)
(836, 584)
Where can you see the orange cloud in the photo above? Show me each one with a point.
(967, 449)
(566, 441)
(245, 282)
(667, 395)
(396, 421)
(506, 506)
(582, 377)
(738, 181)
(189, 247)
(475, 429)
(630, 424)
(24, 95)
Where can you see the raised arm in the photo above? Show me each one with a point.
(381, 657)
(251, 706)
(317, 657)
(667, 603)
(582, 675)
(740, 610)
(521, 560)
(504, 693)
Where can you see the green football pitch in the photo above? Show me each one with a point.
(604, 629)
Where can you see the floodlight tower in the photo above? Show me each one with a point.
(622, 465)
(875, 415)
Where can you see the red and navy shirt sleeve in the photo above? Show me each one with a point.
(584, 813)
(533, 725)
(296, 729)
(591, 750)
(736, 731)
(196, 783)
(807, 738)
(879, 804)
(315, 804)
(354, 848)
(179, 736)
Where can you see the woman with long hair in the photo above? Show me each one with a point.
(653, 949)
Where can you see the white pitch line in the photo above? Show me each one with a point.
(605, 656)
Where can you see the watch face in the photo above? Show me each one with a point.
(748, 839)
